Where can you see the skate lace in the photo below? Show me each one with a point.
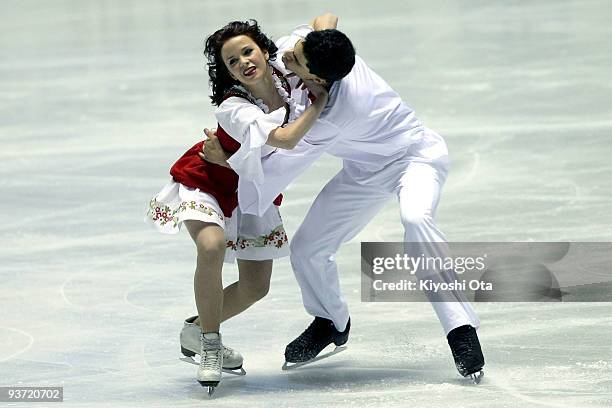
(209, 359)
(227, 352)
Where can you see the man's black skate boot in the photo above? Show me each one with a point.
(467, 353)
(320, 334)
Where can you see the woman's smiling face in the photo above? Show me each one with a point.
(245, 61)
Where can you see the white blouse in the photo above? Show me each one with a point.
(250, 123)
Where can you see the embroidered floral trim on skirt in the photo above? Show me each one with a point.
(247, 236)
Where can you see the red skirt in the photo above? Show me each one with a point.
(218, 181)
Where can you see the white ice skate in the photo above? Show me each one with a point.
(190, 347)
(209, 371)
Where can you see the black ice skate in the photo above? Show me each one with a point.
(467, 353)
(306, 348)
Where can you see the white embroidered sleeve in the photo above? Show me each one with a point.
(250, 126)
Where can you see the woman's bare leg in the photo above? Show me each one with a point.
(252, 285)
(208, 285)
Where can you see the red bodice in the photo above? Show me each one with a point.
(218, 181)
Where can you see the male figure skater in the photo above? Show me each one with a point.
(387, 152)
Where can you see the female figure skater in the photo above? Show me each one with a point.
(255, 116)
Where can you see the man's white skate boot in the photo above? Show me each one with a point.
(211, 352)
(190, 346)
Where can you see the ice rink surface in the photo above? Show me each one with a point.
(98, 99)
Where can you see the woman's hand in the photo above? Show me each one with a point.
(319, 91)
(288, 136)
(212, 151)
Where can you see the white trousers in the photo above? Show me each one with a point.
(343, 208)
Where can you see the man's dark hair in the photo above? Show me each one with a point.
(330, 54)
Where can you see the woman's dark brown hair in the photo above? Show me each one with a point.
(219, 77)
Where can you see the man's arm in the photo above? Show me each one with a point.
(280, 169)
(283, 166)
(324, 22)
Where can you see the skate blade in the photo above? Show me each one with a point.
(208, 383)
(210, 386)
(292, 366)
(234, 371)
(476, 377)
(210, 389)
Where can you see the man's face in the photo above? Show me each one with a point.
(296, 61)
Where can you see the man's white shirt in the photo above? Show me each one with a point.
(365, 123)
